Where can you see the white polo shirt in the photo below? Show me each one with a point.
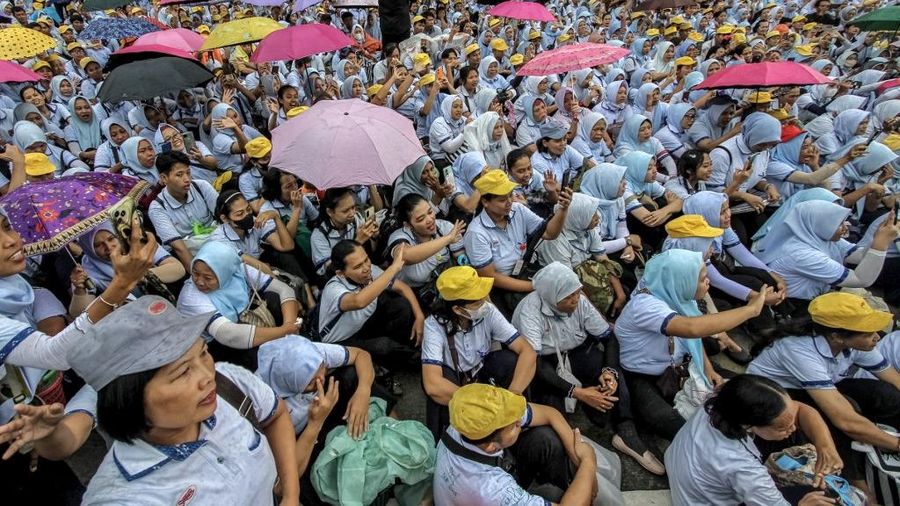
(336, 325)
(471, 345)
(230, 463)
(809, 272)
(323, 238)
(250, 244)
(418, 274)
(569, 162)
(544, 328)
(807, 363)
(707, 469)
(643, 341)
(486, 243)
(889, 347)
(174, 220)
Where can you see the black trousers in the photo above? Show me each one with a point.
(51, 483)
(497, 369)
(876, 400)
(386, 334)
(542, 464)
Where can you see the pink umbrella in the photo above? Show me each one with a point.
(516, 9)
(573, 57)
(11, 72)
(346, 142)
(178, 38)
(298, 41)
(764, 75)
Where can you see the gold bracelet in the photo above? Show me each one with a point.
(108, 303)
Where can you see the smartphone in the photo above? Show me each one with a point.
(896, 211)
(370, 213)
(268, 83)
(189, 141)
(165, 147)
(120, 216)
(446, 175)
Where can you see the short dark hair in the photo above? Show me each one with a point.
(18, 8)
(120, 406)
(73, 18)
(822, 330)
(271, 184)
(406, 204)
(339, 253)
(490, 438)
(448, 52)
(690, 161)
(26, 87)
(284, 89)
(745, 401)
(346, 14)
(165, 162)
(223, 203)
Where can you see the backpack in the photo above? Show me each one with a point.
(594, 277)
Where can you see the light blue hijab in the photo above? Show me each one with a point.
(640, 105)
(288, 365)
(130, 158)
(789, 204)
(628, 137)
(760, 128)
(788, 152)
(87, 133)
(637, 51)
(233, 294)
(638, 163)
(582, 141)
(810, 224)
(671, 276)
(602, 182)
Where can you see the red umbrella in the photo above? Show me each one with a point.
(145, 52)
(516, 9)
(178, 38)
(886, 85)
(764, 75)
(11, 72)
(298, 41)
(573, 57)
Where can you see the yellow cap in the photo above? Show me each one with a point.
(798, 19)
(463, 283)
(740, 29)
(109, 12)
(677, 20)
(696, 36)
(638, 14)
(296, 111)
(780, 114)
(685, 26)
(421, 59)
(426, 79)
(87, 61)
(809, 26)
(418, 19)
(258, 147)
(477, 409)
(39, 65)
(685, 60)
(759, 97)
(217, 17)
(135, 10)
(498, 44)
(670, 30)
(534, 34)
(516, 60)
(564, 38)
(494, 182)
(223, 179)
(203, 29)
(653, 32)
(846, 311)
(892, 141)
(738, 38)
(494, 22)
(37, 164)
(803, 50)
(725, 30)
(692, 225)
(37, 6)
(773, 33)
(64, 28)
(471, 48)
(374, 89)
(73, 45)
(197, 9)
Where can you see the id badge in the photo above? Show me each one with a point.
(517, 268)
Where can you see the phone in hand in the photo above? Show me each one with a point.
(121, 217)
(896, 210)
(189, 141)
(370, 213)
(165, 147)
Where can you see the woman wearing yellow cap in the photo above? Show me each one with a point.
(818, 369)
(456, 348)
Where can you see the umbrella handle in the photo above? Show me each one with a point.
(88, 284)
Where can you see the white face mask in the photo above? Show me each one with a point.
(477, 314)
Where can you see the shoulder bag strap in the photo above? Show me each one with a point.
(240, 401)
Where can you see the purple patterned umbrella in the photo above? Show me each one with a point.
(50, 214)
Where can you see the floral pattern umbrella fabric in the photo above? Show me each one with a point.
(50, 214)
(116, 28)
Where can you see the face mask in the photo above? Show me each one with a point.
(358, 37)
(245, 223)
(477, 314)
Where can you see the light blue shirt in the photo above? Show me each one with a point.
(808, 272)
(569, 162)
(471, 345)
(643, 340)
(487, 243)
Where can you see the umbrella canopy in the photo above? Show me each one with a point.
(177, 38)
(50, 214)
(263, 3)
(17, 42)
(574, 57)
(151, 78)
(102, 5)
(145, 52)
(655, 5)
(760, 75)
(298, 41)
(346, 142)
(116, 28)
(11, 72)
(886, 18)
(515, 9)
(240, 31)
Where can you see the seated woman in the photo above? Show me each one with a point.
(614, 106)
(759, 241)
(661, 326)
(281, 193)
(580, 242)
(430, 242)
(647, 103)
(607, 183)
(637, 135)
(203, 163)
(29, 138)
(247, 233)
(221, 284)
(159, 394)
(456, 349)
(229, 136)
(808, 251)
(874, 167)
(138, 160)
(555, 155)
(816, 369)
(560, 323)
(529, 130)
(592, 140)
(795, 165)
(83, 135)
(338, 221)
(537, 191)
(673, 135)
(445, 136)
(109, 153)
(647, 203)
(323, 386)
(716, 458)
(709, 130)
(694, 168)
(363, 306)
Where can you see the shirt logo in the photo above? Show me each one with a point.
(157, 308)
(187, 496)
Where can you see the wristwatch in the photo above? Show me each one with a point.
(628, 241)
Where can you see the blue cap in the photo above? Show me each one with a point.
(553, 130)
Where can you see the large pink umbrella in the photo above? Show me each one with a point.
(573, 57)
(299, 41)
(178, 38)
(11, 72)
(516, 9)
(764, 75)
(346, 142)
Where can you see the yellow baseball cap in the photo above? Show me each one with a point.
(296, 111)
(463, 283)
(477, 409)
(696, 36)
(670, 30)
(677, 20)
(738, 38)
(534, 34)
(494, 182)
(803, 50)
(692, 225)
(426, 79)
(197, 9)
(685, 60)
(87, 61)
(375, 88)
(759, 97)
(892, 141)
(64, 28)
(809, 26)
(135, 10)
(498, 44)
(516, 60)
(37, 6)
(725, 30)
(203, 29)
(773, 33)
(798, 19)
(638, 14)
(740, 29)
(417, 19)
(258, 147)
(780, 114)
(471, 48)
(73, 45)
(685, 26)
(39, 65)
(37, 164)
(564, 37)
(846, 311)
(653, 32)
(421, 59)
(494, 22)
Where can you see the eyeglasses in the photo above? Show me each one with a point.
(169, 138)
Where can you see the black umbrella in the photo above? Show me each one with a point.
(102, 5)
(151, 78)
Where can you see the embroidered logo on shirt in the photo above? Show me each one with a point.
(157, 308)
(187, 496)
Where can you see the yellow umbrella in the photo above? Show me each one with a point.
(17, 42)
(240, 31)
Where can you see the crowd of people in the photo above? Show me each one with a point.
(587, 239)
